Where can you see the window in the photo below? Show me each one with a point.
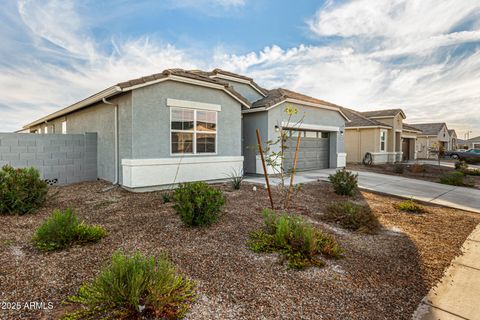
(383, 141)
(310, 134)
(64, 127)
(324, 135)
(193, 131)
(46, 129)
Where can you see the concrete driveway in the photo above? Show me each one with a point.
(450, 196)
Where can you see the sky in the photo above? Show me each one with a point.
(422, 56)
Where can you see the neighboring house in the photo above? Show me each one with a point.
(453, 143)
(181, 125)
(473, 143)
(433, 136)
(381, 134)
(321, 125)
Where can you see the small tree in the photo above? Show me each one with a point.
(274, 152)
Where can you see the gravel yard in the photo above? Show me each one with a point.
(381, 276)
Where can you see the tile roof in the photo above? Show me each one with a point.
(451, 132)
(275, 96)
(190, 74)
(359, 120)
(430, 129)
(474, 139)
(383, 113)
(239, 76)
(410, 127)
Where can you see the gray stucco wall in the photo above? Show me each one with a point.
(252, 121)
(60, 158)
(151, 118)
(245, 90)
(310, 115)
(100, 118)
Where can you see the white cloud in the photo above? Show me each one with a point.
(419, 56)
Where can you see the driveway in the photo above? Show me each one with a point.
(450, 196)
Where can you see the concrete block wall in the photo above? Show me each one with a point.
(60, 158)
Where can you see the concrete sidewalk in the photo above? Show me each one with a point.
(457, 295)
(450, 196)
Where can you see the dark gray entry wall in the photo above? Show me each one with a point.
(313, 153)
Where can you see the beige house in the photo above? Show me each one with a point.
(433, 137)
(474, 143)
(379, 136)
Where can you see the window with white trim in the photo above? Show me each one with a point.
(383, 140)
(64, 127)
(193, 131)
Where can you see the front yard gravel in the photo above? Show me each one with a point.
(381, 276)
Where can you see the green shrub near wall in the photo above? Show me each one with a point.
(197, 203)
(21, 190)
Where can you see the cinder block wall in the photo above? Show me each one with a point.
(60, 158)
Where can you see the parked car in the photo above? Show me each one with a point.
(470, 156)
(455, 154)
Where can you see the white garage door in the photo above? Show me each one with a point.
(313, 153)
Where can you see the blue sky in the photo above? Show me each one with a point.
(421, 56)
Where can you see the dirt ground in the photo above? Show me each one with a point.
(381, 276)
(432, 173)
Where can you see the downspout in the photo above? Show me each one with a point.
(115, 182)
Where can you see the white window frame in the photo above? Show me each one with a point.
(46, 130)
(385, 141)
(194, 132)
(64, 127)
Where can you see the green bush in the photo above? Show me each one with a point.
(352, 216)
(456, 178)
(21, 190)
(409, 206)
(62, 229)
(461, 165)
(472, 172)
(197, 203)
(344, 182)
(399, 168)
(135, 287)
(298, 240)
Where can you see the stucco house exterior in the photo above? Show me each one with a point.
(453, 143)
(473, 143)
(382, 134)
(321, 125)
(433, 136)
(191, 125)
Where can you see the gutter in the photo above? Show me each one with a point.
(115, 121)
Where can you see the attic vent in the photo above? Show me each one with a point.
(51, 182)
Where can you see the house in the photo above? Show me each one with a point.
(433, 137)
(379, 135)
(473, 143)
(453, 143)
(191, 125)
(321, 125)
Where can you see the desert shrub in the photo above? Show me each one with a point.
(21, 190)
(352, 216)
(62, 229)
(298, 241)
(135, 287)
(461, 165)
(398, 168)
(197, 203)
(418, 168)
(235, 178)
(344, 182)
(167, 197)
(472, 172)
(455, 178)
(409, 206)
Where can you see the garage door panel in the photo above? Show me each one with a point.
(313, 153)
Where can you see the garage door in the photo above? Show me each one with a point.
(313, 153)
